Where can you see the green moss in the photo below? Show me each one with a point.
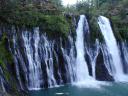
(33, 15)
(5, 57)
(4, 53)
(6, 60)
(94, 28)
(2, 64)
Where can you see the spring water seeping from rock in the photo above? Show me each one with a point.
(48, 49)
(34, 64)
(93, 53)
(35, 57)
(124, 51)
(2, 87)
(69, 57)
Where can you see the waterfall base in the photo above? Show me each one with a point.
(90, 83)
(123, 78)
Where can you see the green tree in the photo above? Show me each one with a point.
(57, 3)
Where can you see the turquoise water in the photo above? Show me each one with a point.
(113, 89)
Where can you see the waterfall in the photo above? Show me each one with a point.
(112, 48)
(83, 79)
(48, 62)
(107, 59)
(82, 72)
(34, 65)
(2, 81)
(34, 54)
(16, 56)
(47, 51)
(69, 57)
(124, 51)
(93, 53)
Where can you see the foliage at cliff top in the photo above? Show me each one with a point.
(31, 13)
(115, 10)
(21, 12)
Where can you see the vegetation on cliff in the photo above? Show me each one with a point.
(6, 62)
(31, 13)
(115, 10)
(52, 18)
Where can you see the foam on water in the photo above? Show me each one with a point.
(91, 84)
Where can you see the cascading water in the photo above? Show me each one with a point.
(34, 65)
(45, 63)
(82, 72)
(34, 57)
(93, 53)
(124, 52)
(112, 48)
(107, 59)
(16, 55)
(2, 81)
(83, 79)
(18, 59)
(70, 59)
(48, 48)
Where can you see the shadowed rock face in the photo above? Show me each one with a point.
(101, 71)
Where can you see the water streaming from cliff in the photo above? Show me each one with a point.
(70, 59)
(2, 87)
(34, 65)
(48, 48)
(93, 53)
(83, 78)
(124, 54)
(35, 58)
(17, 56)
(82, 72)
(112, 49)
(41, 62)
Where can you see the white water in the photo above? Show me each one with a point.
(107, 59)
(38, 53)
(42, 58)
(112, 48)
(83, 79)
(124, 48)
(48, 49)
(82, 72)
(93, 53)
(34, 66)
(16, 55)
(70, 59)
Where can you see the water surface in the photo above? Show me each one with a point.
(113, 89)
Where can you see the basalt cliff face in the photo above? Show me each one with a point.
(32, 59)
